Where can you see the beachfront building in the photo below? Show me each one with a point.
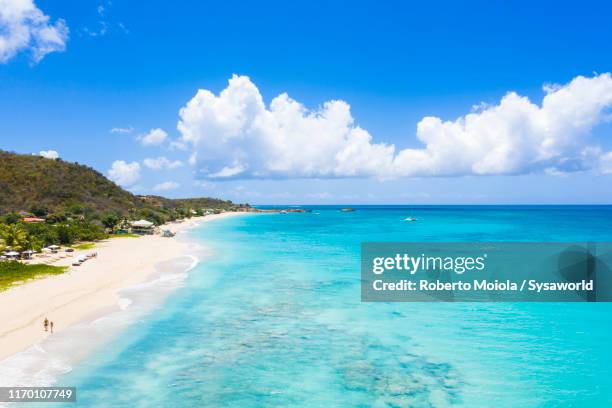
(143, 227)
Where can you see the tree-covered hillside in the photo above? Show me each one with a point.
(28, 183)
(47, 187)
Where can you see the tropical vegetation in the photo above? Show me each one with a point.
(53, 202)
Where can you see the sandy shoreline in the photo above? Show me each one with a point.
(88, 289)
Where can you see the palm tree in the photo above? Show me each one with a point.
(14, 236)
(33, 242)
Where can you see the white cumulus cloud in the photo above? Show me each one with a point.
(154, 137)
(167, 185)
(49, 154)
(162, 163)
(123, 173)
(23, 26)
(235, 135)
(515, 136)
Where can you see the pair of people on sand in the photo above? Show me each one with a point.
(47, 324)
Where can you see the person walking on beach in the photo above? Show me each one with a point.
(51, 325)
(46, 324)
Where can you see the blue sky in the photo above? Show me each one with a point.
(124, 64)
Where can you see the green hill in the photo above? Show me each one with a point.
(55, 187)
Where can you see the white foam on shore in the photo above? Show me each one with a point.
(124, 303)
(43, 363)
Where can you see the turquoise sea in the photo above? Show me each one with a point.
(273, 319)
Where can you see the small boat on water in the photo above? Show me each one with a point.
(410, 219)
(347, 209)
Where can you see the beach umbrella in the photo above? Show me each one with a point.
(54, 246)
(12, 253)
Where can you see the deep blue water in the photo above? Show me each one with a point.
(274, 319)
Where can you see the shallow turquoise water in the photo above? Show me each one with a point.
(275, 319)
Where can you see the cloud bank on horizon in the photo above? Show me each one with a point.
(24, 27)
(234, 135)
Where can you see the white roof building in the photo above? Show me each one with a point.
(142, 224)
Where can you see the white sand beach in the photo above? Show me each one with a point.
(88, 289)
